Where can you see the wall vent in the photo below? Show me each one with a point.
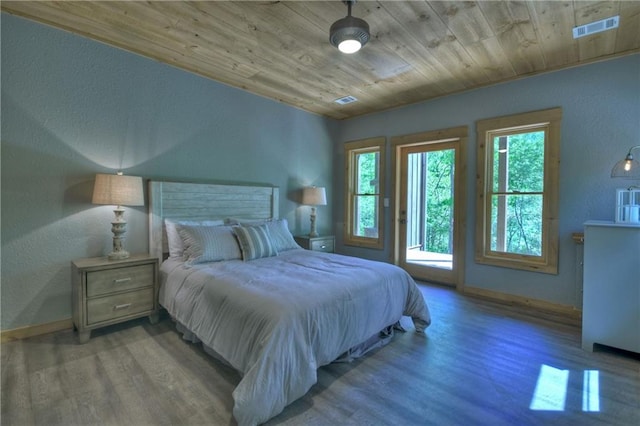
(346, 100)
(596, 27)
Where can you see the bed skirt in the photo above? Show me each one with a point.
(378, 340)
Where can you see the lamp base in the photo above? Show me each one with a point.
(312, 232)
(118, 255)
(119, 228)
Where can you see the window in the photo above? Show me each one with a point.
(364, 162)
(517, 205)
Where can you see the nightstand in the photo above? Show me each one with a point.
(325, 243)
(108, 292)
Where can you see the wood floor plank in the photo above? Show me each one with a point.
(15, 389)
(479, 363)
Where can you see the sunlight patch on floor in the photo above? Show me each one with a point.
(551, 390)
(591, 391)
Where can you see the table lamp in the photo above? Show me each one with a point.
(314, 196)
(118, 190)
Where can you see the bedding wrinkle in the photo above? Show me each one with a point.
(276, 320)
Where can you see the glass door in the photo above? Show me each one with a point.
(428, 212)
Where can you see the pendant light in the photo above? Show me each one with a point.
(349, 34)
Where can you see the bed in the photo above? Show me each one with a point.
(233, 278)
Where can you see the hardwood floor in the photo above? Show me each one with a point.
(480, 363)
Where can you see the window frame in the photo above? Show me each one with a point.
(351, 149)
(550, 121)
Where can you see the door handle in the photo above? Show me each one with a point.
(402, 221)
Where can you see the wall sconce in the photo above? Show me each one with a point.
(120, 191)
(627, 168)
(314, 196)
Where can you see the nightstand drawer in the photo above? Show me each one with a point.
(119, 305)
(325, 245)
(109, 281)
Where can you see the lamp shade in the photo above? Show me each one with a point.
(314, 196)
(628, 168)
(118, 190)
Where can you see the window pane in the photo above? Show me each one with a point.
(366, 217)
(367, 174)
(516, 224)
(518, 177)
(439, 201)
(364, 188)
(518, 162)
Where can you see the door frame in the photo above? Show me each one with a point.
(457, 136)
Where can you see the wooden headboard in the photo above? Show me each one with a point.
(198, 201)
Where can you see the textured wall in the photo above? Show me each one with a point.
(601, 121)
(72, 107)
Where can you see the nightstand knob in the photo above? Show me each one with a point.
(121, 280)
(323, 247)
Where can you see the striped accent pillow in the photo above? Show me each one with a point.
(281, 237)
(208, 243)
(255, 242)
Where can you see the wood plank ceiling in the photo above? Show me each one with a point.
(419, 50)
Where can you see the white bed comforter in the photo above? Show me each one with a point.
(276, 320)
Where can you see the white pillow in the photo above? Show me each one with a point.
(173, 239)
(208, 243)
(281, 236)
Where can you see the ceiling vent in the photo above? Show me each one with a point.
(346, 100)
(596, 27)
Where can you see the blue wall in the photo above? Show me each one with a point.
(72, 107)
(601, 121)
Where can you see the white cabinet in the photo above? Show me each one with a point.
(611, 303)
